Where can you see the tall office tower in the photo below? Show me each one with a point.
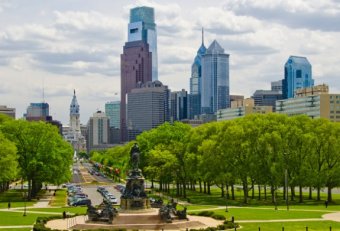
(215, 79)
(135, 68)
(178, 105)
(277, 85)
(148, 107)
(98, 130)
(298, 74)
(112, 110)
(142, 27)
(37, 111)
(195, 82)
(73, 134)
(7, 111)
(41, 112)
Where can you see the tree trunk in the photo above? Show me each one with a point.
(284, 192)
(310, 193)
(208, 185)
(177, 189)
(265, 192)
(259, 188)
(272, 193)
(318, 197)
(205, 187)
(292, 194)
(245, 192)
(222, 190)
(300, 194)
(232, 192)
(152, 186)
(184, 190)
(329, 194)
(252, 190)
(200, 183)
(227, 190)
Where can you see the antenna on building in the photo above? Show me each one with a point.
(202, 36)
(74, 91)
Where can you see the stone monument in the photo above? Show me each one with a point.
(134, 196)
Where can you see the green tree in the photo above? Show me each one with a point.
(43, 155)
(8, 162)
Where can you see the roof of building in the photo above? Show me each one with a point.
(215, 48)
(298, 60)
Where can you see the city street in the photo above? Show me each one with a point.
(82, 176)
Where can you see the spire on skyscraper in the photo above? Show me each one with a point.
(202, 36)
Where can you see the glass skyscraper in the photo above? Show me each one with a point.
(298, 74)
(215, 79)
(195, 82)
(112, 110)
(142, 26)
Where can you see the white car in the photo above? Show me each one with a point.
(111, 198)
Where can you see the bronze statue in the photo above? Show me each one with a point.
(134, 156)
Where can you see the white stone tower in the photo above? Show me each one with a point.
(74, 115)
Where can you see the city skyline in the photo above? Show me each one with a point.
(60, 47)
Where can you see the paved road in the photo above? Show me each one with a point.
(96, 197)
(81, 175)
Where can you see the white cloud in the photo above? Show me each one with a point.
(79, 46)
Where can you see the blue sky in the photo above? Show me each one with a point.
(76, 44)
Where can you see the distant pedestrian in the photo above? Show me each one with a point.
(64, 215)
(9, 205)
(326, 203)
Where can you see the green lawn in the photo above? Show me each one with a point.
(17, 218)
(267, 214)
(15, 197)
(75, 210)
(59, 199)
(291, 226)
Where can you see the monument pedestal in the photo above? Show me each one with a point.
(135, 203)
(134, 196)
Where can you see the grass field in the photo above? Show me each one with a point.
(59, 199)
(17, 218)
(291, 226)
(256, 210)
(75, 210)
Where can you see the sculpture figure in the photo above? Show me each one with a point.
(134, 156)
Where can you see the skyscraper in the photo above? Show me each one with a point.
(139, 58)
(195, 82)
(98, 131)
(215, 79)
(148, 107)
(298, 74)
(178, 105)
(112, 110)
(37, 111)
(142, 27)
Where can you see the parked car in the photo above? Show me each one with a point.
(112, 199)
(79, 202)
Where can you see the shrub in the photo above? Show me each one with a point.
(205, 213)
(218, 217)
